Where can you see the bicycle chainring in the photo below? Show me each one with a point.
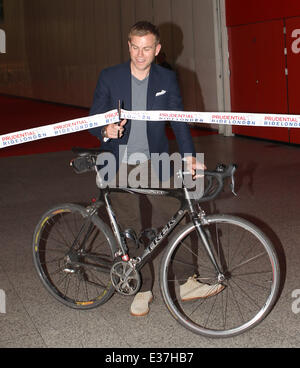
(125, 279)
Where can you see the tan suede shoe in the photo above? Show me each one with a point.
(194, 289)
(140, 304)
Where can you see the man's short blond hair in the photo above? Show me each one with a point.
(143, 28)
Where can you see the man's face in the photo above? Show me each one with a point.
(142, 52)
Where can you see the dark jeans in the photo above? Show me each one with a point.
(140, 212)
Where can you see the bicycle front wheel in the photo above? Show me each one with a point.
(247, 259)
(73, 256)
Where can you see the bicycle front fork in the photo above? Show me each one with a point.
(201, 233)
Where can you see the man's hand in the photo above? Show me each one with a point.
(193, 165)
(113, 129)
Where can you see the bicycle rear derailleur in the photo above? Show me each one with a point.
(125, 278)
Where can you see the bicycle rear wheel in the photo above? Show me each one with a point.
(79, 278)
(249, 263)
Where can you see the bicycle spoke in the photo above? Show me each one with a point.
(248, 291)
(249, 260)
(79, 278)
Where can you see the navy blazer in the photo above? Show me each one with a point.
(114, 84)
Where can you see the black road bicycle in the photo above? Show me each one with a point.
(82, 261)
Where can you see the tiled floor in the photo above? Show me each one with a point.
(268, 181)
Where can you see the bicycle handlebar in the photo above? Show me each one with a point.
(219, 174)
(86, 161)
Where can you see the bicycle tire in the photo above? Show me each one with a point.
(81, 284)
(251, 283)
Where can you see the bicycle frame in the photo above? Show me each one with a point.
(176, 193)
(186, 206)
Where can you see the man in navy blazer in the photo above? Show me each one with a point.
(114, 84)
(142, 85)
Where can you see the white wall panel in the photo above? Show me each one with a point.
(55, 50)
(144, 10)
(163, 18)
(204, 48)
(183, 48)
(128, 18)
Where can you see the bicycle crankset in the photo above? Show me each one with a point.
(125, 279)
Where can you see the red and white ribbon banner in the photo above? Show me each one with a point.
(94, 121)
